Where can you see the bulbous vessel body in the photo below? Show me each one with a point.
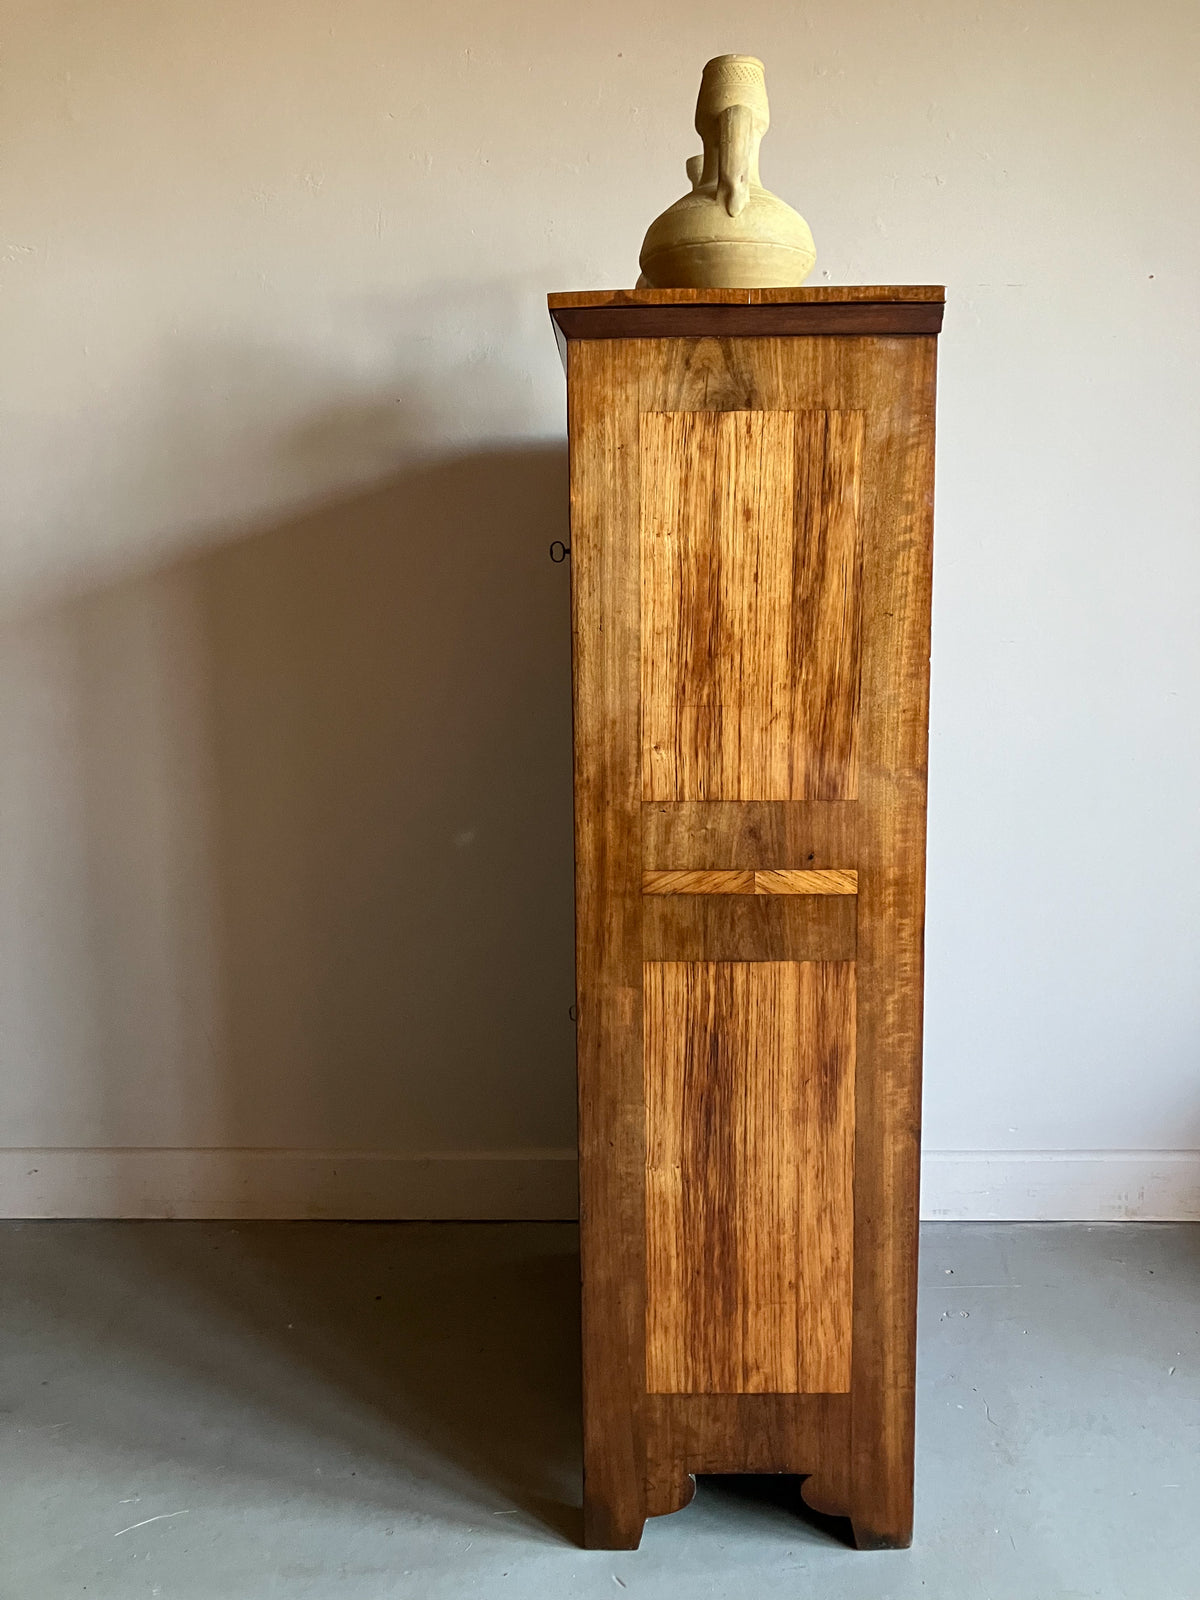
(729, 232)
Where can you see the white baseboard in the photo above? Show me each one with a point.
(279, 1184)
(1060, 1185)
(957, 1185)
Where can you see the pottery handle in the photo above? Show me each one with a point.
(735, 137)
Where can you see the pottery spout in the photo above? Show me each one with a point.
(736, 138)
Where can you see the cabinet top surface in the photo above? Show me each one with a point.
(746, 313)
(826, 294)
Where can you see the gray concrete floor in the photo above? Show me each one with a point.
(203, 1410)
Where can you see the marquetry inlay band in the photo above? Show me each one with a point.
(779, 880)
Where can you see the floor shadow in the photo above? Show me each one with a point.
(774, 1501)
(461, 1340)
(347, 1360)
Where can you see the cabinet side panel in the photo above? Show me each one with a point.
(773, 1065)
(602, 388)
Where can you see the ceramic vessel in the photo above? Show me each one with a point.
(729, 232)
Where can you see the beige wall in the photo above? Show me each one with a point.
(284, 759)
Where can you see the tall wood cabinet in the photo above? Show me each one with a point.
(751, 519)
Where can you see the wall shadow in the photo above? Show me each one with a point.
(325, 789)
(390, 706)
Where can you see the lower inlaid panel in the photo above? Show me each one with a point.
(749, 1069)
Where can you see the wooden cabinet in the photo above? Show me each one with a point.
(751, 520)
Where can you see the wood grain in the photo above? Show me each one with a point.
(716, 546)
(738, 881)
(897, 579)
(710, 882)
(602, 389)
(715, 319)
(815, 294)
(785, 880)
(749, 1135)
(749, 1432)
(826, 605)
(750, 605)
(749, 927)
(756, 834)
(711, 1433)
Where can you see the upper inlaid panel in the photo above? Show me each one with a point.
(751, 578)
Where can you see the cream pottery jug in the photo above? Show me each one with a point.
(729, 232)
